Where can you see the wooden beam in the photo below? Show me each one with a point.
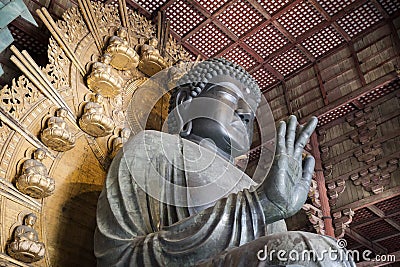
(321, 83)
(287, 100)
(382, 81)
(39, 34)
(269, 20)
(386, 237)
(315, 29)
(357, 64)
(350, 153)
(371, 200)
(380, 9)
(378, 121)
(356, 225)
(378, 249)
(346, 176)
(372, 104)
(323, 195)
(378, 212)
(210, 18)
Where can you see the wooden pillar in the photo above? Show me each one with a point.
(323, 196)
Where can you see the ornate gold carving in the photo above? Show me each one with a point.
(25, 245)
(103, 79)
(34, 179)
(93, 120)
(86, 9)
(123, 56)
(58, 36)
(57, 135)
(57, 75)
(175, 52)
(19, 97)
(9, 191)
(151, 61)
(72, 51)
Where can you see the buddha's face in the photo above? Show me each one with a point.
(30, 220)
(62, 113)
(122, 32)
(40, 154)
(153, 42)
(231, 125)
(106, 58)
(98, 98)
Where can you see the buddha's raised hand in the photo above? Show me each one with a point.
(285, 189)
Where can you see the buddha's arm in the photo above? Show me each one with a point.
(233, 221)
(127, 228)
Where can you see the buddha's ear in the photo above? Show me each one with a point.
(182, 96)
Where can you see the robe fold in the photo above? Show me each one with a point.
(169, 202)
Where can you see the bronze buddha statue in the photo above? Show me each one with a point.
(177, 199)
(34, 179)
(25, 245)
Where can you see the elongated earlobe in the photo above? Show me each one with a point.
(184, 128)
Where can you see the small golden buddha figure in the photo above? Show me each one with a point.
(176, 72)
(34, 179)
(57, 135)
(123, 56)
(119, 141)
(103, 79)
(25, 246)
(93, 120)
(151, 61)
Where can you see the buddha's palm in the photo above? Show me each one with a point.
(286, 186)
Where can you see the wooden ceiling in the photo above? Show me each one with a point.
(337, 60)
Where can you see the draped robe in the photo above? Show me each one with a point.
(135, 228)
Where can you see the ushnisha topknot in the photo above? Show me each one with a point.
(213, 71)
(204, 72)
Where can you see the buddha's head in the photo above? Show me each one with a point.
(153, 42)
(106, 58)
(30, 219)
(98, 98)
(122, 32)
(62, 113)
(39, 154)
(216, 101)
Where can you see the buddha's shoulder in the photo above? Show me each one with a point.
(152, 142)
